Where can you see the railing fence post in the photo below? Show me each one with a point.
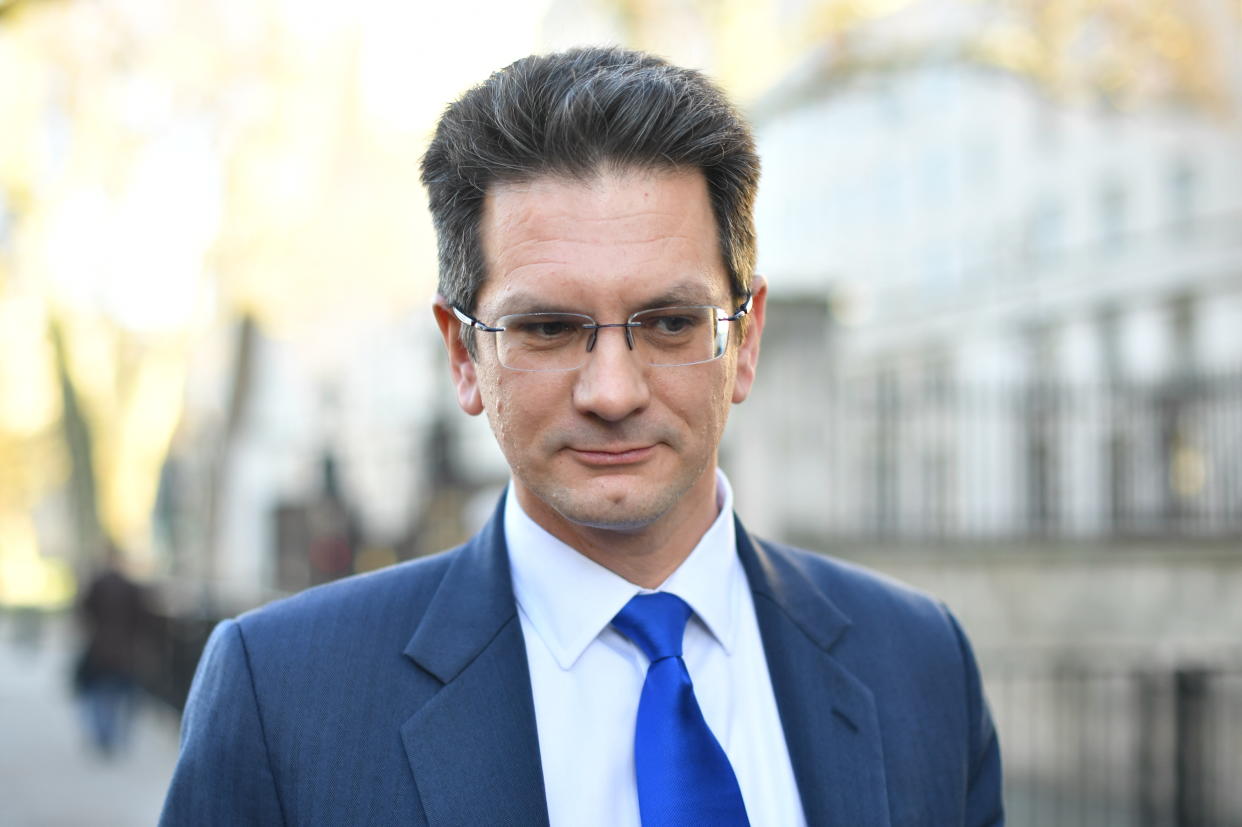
(1151, 760)
(1190, 746)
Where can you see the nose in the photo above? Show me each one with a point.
(613, 383)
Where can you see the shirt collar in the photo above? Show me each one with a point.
(570, 599)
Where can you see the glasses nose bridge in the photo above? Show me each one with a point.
(596, 328)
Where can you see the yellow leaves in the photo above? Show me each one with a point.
(29, 396)
(32, 459)
(1013, 48)
(830, 18)
(33, 466)
(1130, 52)
(129, 459)
(750, 48)
(130, 393)
(28, 579)
(21, 107)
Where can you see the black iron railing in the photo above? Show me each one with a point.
(1095, 744)
(1115, 461)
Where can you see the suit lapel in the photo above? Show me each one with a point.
(473, 745)
(828, 715)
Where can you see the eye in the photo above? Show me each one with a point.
(546, 330)
(672, 323)
(542, 329)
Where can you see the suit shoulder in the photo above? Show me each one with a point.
(402, 590)
(860, 592)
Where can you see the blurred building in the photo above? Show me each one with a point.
(1003, 362)
(995, 313)
(296, 464)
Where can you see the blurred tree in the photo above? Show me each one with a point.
(1124, 52)
(68, 163)
(10, 7)
(76, 432)
(168, 165)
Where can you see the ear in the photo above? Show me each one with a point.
(748, 353)
(461, 365)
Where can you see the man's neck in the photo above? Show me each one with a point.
(645, 556)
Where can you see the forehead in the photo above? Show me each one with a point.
(632, 233)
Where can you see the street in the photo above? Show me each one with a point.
(50, 776)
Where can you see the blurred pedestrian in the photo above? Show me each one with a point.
(116, 619)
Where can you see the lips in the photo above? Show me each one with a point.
(612, 455)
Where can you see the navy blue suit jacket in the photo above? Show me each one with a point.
(403, 697)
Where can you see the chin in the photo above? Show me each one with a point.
(626, 514)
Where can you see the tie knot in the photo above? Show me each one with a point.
(655, 623)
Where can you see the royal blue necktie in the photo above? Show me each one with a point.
(684, 777)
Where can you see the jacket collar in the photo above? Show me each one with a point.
(472, 746)
(828, 715)
(473, 603)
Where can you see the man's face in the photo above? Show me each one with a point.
(615, 444)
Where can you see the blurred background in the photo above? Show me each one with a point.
(1003, 359)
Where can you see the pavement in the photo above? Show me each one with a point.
(50, 776)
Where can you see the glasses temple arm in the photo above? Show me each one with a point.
(741, 311)
(470, 321)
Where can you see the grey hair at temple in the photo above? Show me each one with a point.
(573, 114)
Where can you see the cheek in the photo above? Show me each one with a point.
(518, 408)
(492, 388)
(495, 404)
(701, 400)
(728, 378)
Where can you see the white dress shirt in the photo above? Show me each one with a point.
(586, 677)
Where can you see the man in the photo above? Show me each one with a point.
(119, 627)
(613, 648)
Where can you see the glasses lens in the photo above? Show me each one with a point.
(542, 341)
(679, 335)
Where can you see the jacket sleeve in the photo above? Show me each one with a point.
(223, 774)
(984, 802)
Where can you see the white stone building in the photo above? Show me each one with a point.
(1030, 313)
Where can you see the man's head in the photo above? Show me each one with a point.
(608, 186)
(573, 115)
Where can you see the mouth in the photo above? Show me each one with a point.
(612, 455)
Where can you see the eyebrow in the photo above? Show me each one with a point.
(527, 303)
(685, 293)
(679, 294)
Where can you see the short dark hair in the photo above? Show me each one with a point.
(573, 114)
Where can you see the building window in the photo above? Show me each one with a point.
(1183, 186)
(886, 465)
(1040, 432)
(1047, 125)
(1108, 325)
(1045, 233)
(1112, 216)
(1040, 342)
(937, 376)
(1183, 324)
